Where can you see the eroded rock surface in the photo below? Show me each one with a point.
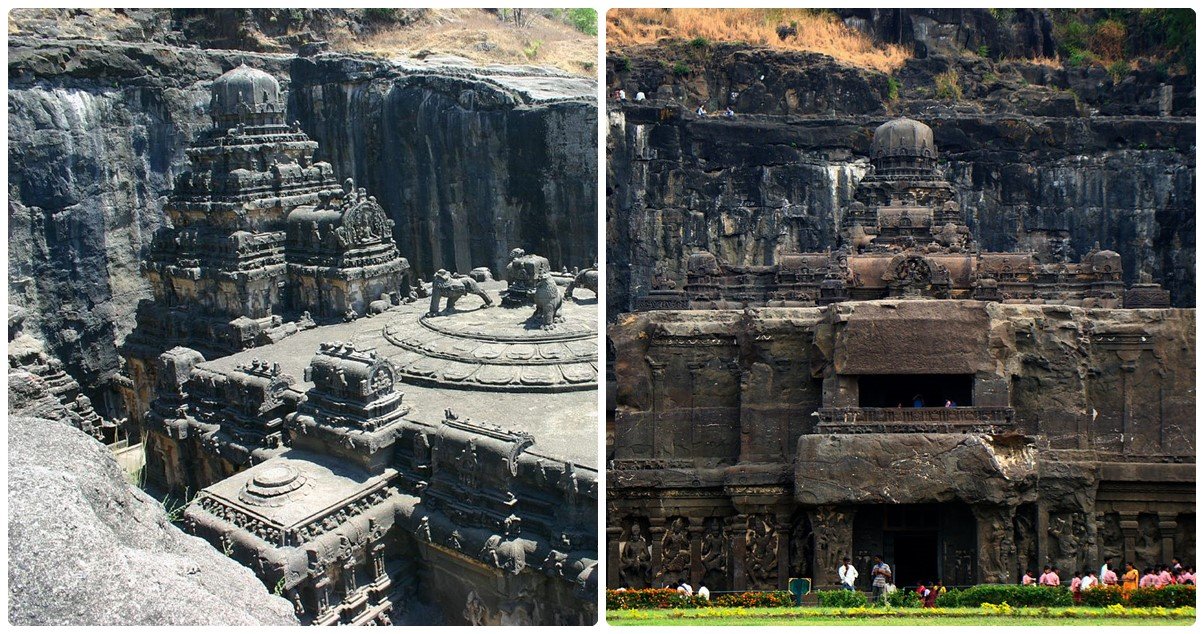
(87, 548)
(98, 131)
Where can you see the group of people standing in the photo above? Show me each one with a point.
(1152, 577)
(882, 578)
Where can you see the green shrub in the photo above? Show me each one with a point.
(1080, 58)
(700, 42)
(841, 599)
(947, 86)
(892, 88)
(1015, 596)
(902, 599)
(380, 14)
(1172, 596)
(623, 64)
(1118, 70)
(584, 20)
(984, 51)
(681, 69)
(532, 48)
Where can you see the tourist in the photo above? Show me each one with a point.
(1109, 578)
(1076, 587)
(639, 96)
(729, 113)
(1045, 572)
(1176, 566)
(1103, 570)
(923, 591)
(622, 95)
(1147, 579)
(703, 593)
(1089, 581)
(1188, 577)
(882, 575)
(702, 112)
(917, 401)
(1130, 580)
(847, 574)
(948, 403)
(1164, 577)
(685, 588)
(937, 590)
(1027, 579)
(1052, 579)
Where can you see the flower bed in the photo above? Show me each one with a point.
(1172, 596)
(665, 598)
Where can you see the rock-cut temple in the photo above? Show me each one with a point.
(966, 414)
(371, 461)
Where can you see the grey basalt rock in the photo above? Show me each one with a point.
(87, 548)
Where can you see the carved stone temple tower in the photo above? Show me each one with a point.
(262, 242)
(966, 414)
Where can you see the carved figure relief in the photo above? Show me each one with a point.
(635, 558)
(713, 554)
(761, 552)
(675, 551)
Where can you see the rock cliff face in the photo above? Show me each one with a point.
(1035, 154)
(470, 162)
(87, 548)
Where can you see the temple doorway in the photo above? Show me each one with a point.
(901, 390)
(916, 558)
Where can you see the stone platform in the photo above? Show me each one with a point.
(497, 348)
(563, 422)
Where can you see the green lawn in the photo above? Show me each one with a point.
(903, 616)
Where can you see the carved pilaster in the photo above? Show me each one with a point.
(996, 544)
(1167, 524)
(832, 527)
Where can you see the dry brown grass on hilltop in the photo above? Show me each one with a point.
(483, 38)
(817, 31)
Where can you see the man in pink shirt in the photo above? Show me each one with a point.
(1109, 578)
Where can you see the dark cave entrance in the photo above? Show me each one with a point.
(916, 559)
(900, 390)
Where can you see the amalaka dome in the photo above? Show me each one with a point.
(903, 144)
(246, 95)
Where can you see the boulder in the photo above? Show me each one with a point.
(87, 548)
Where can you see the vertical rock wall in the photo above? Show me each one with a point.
(468, 166)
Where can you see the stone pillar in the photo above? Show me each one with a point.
(322, 591)
(735, 530)
(613, 535)
(1128, 527)
(832, 527)
(1167, 524)
(378, 562)
(349, 576)
(656, 533)
(694, 574)
(996, 544)
(781, 535)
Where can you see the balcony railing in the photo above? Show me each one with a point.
(861, 420)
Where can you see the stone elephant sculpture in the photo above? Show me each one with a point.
(587, 279)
